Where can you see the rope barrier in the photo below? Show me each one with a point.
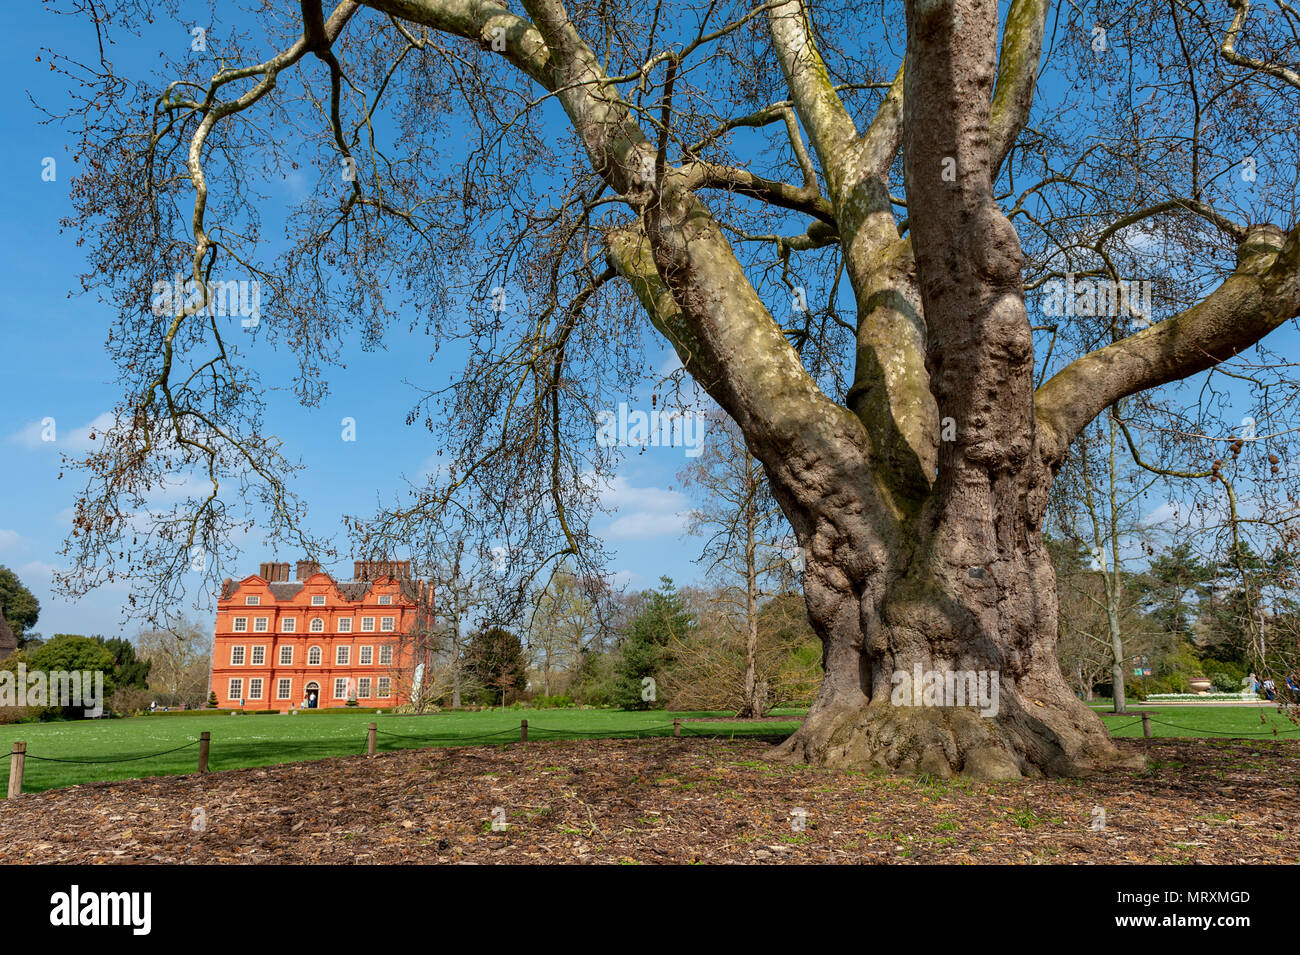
(124, 759)
(1125, 725)
(607, 734)
(509, 732)
(1196, 729)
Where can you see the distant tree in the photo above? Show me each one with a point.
(459, 589)
(18, 605)
(494, 660)
(569, 620)
(747, 539)
(1176, 582)
(709, 667)
(68, 652)
(179, 655)
(128, 668)
(1083, 643)
(1097, 503)
(662, 620)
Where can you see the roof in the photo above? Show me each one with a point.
(351, 590)
(285, 590)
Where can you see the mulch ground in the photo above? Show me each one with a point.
(669, 801)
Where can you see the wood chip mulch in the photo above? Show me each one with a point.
(669, 801)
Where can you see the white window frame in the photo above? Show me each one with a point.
(289, 625)
(385, 688)
(254, 653)
(386, 655)
(387, 624)
(317, 625)
(366, 656)
(236, 688)
(367, 624)
(340, 688)
(286, 655)
(240, 625)
(316, 652)
(318, 600)
(261, 624)
(343, 655)
(252, 695)
(284, 688)
(242, 651)
(385, 599)
(345, 625)
(363, 688)
(252, 601)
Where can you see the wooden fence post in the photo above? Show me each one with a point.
(677, 728)
(370, 740)
(16, 760)
(1146, 725)
(523, 731)
(205, 741)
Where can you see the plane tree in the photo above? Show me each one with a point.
(844, 219)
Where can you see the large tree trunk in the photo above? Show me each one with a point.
(974, 595)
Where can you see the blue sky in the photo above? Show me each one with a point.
(53, 365)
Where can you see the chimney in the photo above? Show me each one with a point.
(374, 569)
(306, 568)
(264, 570)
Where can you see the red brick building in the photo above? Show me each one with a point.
(278, 641)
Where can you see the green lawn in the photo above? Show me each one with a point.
(240, 741)
(1201, 721)
(246, 740)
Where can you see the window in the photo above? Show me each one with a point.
(313, 657)
(385, 599)
(367, 656)
(367, 624)
(286, 656)
(255, 688)
(386, 624)
(252, 601)
(282, 689)
(317, 625)
(342, 655)
(236, 656)
(236, 690)
(385, 687)
(288, 625)
(258, 657)
(259, 624)
(241, 625)
(341, 688)
(345, 625)
(386, 655)
(363, 688)
(318, 600)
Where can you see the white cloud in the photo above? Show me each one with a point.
(644, 511)
(76, 439)
(11, 541)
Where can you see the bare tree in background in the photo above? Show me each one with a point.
(746, 537)
(566, 622)
(180, 658)
(1098, 502)
(841, 238)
